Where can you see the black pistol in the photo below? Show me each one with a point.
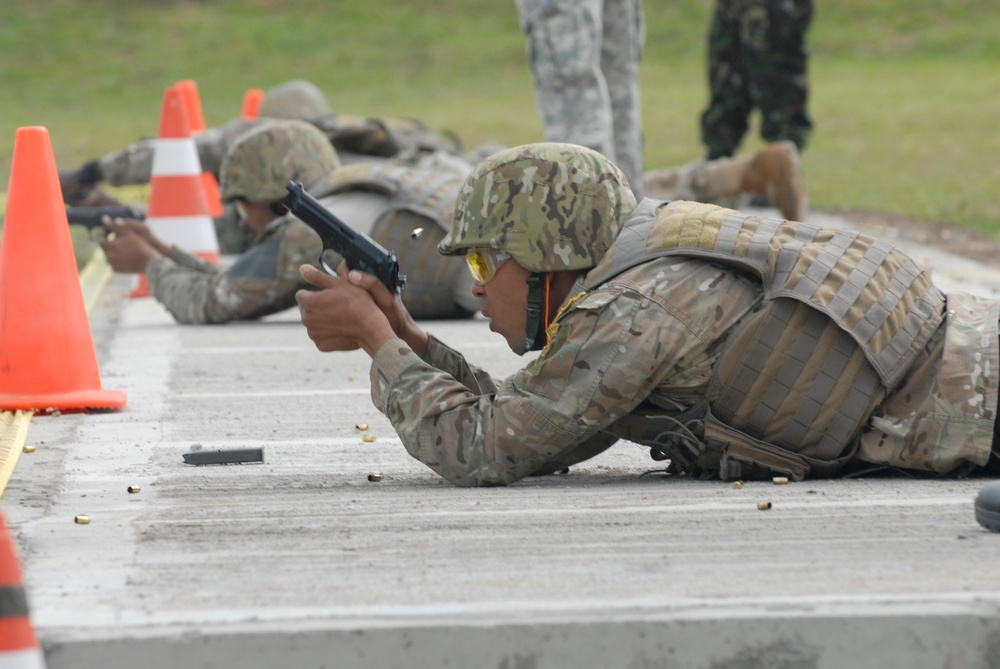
(91, 216)
(359, 251)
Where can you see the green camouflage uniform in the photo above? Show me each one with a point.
(389, 203)
(584, 55)
(757, 59)
(355, 138)
(648, 340)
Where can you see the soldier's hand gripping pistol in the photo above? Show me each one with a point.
(92, 217)
(359, 250)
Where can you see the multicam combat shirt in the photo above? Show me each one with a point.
(650, 335)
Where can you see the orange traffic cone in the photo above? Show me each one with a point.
(47, 358)
(18, 646)
(177, 212)
(192, 103)
(251, 103)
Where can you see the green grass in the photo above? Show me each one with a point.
(904, 93)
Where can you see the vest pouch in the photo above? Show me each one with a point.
(743, 457)
(791, 391)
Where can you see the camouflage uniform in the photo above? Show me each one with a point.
(262, 281)
(265, 278)
(584, 55)
(643, 344)
(355, 138)
(403, 208)
(757, 58)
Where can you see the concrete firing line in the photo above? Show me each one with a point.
(577, 511)
(505, 611)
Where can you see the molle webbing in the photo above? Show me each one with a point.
(873, 291)
(842, 319)
(430, 193)
(791, 378)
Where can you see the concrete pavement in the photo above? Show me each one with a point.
(302, 561)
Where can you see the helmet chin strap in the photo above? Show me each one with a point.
(534, 327)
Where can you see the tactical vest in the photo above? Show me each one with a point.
(432, 278)
(843, 316)
(429, 193)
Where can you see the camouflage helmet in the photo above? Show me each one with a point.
(297, 99)
(262, 161)
(550, 206)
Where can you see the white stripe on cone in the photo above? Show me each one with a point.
(187, 232)
(175, 157)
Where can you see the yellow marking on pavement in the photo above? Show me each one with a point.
(13, 432)
(93, 277)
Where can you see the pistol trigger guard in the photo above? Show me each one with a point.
(326, 267)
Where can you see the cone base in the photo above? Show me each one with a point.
(141, 288)
(77, 400)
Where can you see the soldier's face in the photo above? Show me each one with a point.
(504, 300)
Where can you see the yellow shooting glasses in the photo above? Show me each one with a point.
(484, 263)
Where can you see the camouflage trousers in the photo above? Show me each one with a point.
(757, 59)
(584, 56)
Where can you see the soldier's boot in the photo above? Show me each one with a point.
(772, 173)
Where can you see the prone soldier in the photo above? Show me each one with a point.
(389, 203)
(733, 346)
(354, 138)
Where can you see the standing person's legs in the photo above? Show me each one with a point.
(724, 122)
(564, 51)
(621, 51)
(778, 69)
